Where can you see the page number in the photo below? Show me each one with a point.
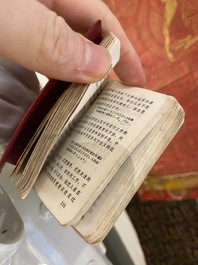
(63, 204)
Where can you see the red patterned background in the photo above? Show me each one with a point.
(165, 35)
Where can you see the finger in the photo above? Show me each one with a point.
(40, 40)
(81, 15)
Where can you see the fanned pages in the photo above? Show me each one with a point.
(94, 149)
(62, 113)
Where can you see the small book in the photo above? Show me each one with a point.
(92, 150)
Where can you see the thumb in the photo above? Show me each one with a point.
(40, 40)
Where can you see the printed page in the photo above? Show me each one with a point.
(101, 216)
(86, 161)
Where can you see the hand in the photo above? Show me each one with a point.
(35, 35)
(18, 89)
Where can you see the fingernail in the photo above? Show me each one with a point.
(97, 61)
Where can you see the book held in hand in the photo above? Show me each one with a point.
(94, 148)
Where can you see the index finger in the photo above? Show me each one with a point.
(81, 15)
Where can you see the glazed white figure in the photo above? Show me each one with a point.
(11, 227)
